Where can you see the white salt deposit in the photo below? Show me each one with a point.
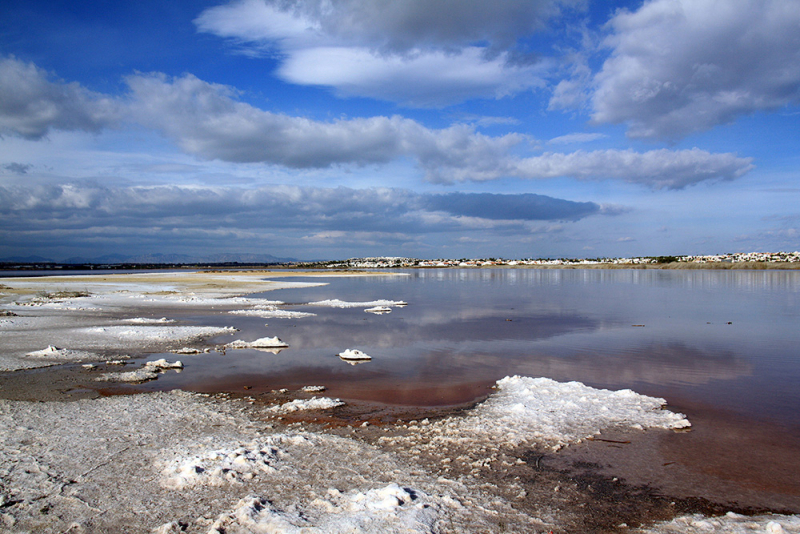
(149, 371)
(51, 352)
(540, 411)
(379, 310)
(336, 303)
(390, 508)
(155, 333)
(148, 320)
(262, 343)
(315, 403)
(354, 355)
(730, 523)
(188, 350)
(272, 313)
(228, 465)
(313, 389)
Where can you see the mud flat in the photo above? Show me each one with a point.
(292, 461)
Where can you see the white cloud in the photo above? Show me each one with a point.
(683, 66)
(658, 169)
(94, 217)
(207, 121)
(31, 104)
(576, 138)
(415, 52)
(422, 79)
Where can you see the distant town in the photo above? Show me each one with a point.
(742, 259)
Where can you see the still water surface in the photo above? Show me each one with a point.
(726, 339)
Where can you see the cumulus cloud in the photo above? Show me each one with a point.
(657, 169)
(325, 209)
(524, 206)
(207, 120)
(32, 103)
(416, 52)
(93, 217)
(683, 66)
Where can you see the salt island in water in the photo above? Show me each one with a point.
(78, 456)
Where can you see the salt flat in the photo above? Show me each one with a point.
(185, 462)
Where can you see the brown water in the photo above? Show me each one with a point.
(723, 346)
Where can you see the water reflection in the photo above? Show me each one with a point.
(719, 337)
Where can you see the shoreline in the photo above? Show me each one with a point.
(518, 487)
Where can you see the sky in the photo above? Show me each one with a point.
(330, 129)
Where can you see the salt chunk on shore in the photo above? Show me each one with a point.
(54, 353)
(355, 355)
(730, 523)
(542, 411)
(316, 403)
(336, 303)
(273, 313)
(263, 343)
(149, 371)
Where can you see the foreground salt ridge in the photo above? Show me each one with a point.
(209, 466)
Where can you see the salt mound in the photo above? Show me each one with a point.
(149, 371)
(355, 355)
(228, 466)
(539, 411)
(272, 313)
(336, 303)
(391, 508)
(730, 523)
(54, 353)
(263, 343)
(315, 403)
(561, 413)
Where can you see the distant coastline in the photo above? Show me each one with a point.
(736, 261)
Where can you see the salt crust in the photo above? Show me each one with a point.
(336, 303)
(730, 523)
(379, 310)
(537, 412)
(315, 403)
(262, 343)
(272, 313)
(172, 454)
(354, 354)
(54, 353)
(154, 333)
(387, 509)
(148, 320)
(149, 371)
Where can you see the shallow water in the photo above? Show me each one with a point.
(723, 339)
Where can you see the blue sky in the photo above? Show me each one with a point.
(456, 128)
